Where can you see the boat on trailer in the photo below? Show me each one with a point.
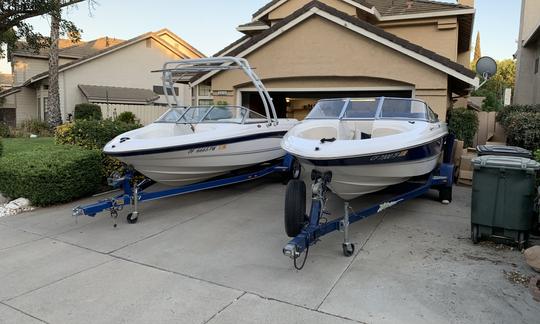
(367, 144)
(193, 144)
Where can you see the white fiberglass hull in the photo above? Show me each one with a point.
(190, 158)
(397, 151)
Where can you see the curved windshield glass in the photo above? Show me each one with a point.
(327, 109)
(362, 108)
(404, 108)
(212, 114)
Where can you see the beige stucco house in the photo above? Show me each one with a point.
(528, 55)
(102, 70)
(307, 50)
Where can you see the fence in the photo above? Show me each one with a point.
(488, 129)
(146, 114)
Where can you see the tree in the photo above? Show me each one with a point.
(14, 13)
(53, 114)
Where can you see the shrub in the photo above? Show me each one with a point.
(91, 134)
(523, 129)
(127, 117)
(36, 127)
(463, 124)
(48, 177)
(505, 113)
(1, 147)
(87, 111)
(537, 155)
(4, 130)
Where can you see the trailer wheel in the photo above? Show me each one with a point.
(348, 249)
(445, 194)
(295, 207)
(475, 234)
(132, 220)
(294, 173)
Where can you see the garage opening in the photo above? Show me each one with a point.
(298, 104)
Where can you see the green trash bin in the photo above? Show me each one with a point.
(503, 198)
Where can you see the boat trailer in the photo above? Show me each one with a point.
(135, 193)
(311, 228)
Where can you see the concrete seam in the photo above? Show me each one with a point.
(224, 308)
(25, 313)
(22, 243)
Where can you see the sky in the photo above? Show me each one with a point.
(210, 25)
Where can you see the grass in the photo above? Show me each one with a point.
(16, 145)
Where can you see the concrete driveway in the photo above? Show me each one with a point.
(215, 257)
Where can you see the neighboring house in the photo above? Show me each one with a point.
(7, 107)
(527, 89)
(307, 50)
(104, 70)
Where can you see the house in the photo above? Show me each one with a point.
(105, 70)
(307, 50)
(528, 55)
(7, 116)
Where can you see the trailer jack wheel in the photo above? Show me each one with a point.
(132, 218)
(348, 249)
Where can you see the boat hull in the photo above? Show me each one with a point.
(196, 164)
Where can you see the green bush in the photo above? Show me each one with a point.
(87, 111)
(53, 176)
(127, 117)
(505, 113)
(91, 134)
(4, 130)
(36, 127)
(537, 155)
(523, 130)
(1, 147)
(463, 124)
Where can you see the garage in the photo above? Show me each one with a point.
(297, 104)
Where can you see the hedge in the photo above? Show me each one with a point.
(1, 147)
(505, 113)
(4, 130)
(36, 127)
(53, 176)
(463, 123)
(523, 130)
(87, 111)
(91, 134)
(127, 117)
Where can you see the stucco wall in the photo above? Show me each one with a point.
(318, 47)
(530, 18)
(127, 67)
(26, 67)
(438, 35)
(527, 89)
(292, 5)
(26, 102)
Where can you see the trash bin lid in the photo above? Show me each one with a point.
(503, 150)
(505, 162)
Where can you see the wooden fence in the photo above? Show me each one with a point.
(146, 114)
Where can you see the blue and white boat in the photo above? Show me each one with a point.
(368, 144)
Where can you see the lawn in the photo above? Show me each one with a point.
(16, 145)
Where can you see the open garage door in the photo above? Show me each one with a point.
(297, 104)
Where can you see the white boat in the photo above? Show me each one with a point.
(192, 144)
(368, 144)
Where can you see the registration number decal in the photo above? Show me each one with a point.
(208, 149)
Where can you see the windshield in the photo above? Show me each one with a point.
(212, 114)
(362, 108)
(327, 109)
(402, 108)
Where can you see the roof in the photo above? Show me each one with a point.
(401, 43)
(10, 91)
(406, 7)
(391, 7)
(117, 94)
(69, 49)
(110, 49)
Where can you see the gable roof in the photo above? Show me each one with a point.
(120, 45)
(68, 49)
(384, 9)
(117, 94)
(371, 31)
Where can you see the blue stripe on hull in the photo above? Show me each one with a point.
(412, 154)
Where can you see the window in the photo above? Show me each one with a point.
(536, 63)
(159, 90)
(327, 109)
(403, 108)
(206, 102)
(205, 90)
(362, 108)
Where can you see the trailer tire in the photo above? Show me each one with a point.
(295, 207)
(132, 220)
(294, 173)
(445, 194)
